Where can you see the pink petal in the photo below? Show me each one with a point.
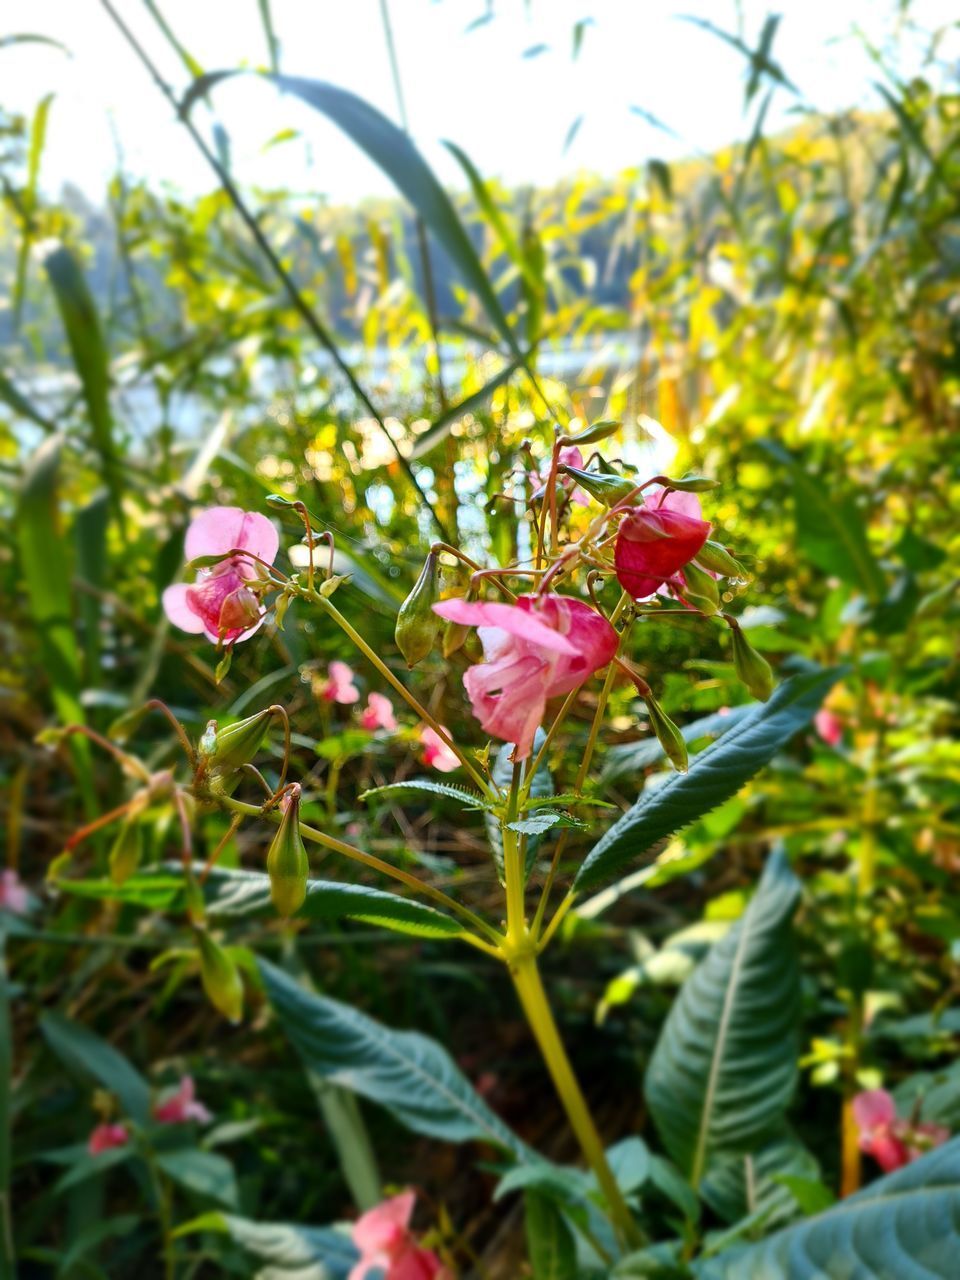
(514, 618)
(177, 609)
(508, 698)
(873, 1109)
(13, 894)
(416, 1264)
(220, 529)
(384, 1226)
(684, 504)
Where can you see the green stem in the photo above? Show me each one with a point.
(162, 1193)
(374, 658)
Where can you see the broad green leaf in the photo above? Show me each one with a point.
(391, 150)
(550, 1243)
(904, 1227)
(714, 776)
(830, 528)
(414, 788)
(404, 1071)
(632, 757)
(494, 216)
(736, 1184)
(932, 1096)
(245, 893)
(324, 1253)
(202, 1172)
(725, 1065)
(80, 1049)
(81, 322)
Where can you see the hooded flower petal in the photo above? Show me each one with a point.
(536, 649)
(221, 529)
(657, 539)
(181, 1106)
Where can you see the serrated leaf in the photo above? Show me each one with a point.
(409, 1074)
(725, 1065)
(536, 821)
(903, 1227)
(79, 1048)
(714, 776)
(416, 787)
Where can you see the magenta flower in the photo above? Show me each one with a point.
(535, 649)
(340, 686)
(436, 752)
(378, 713)
(829, 727)
(181, 1106)
(657, 539)
(13, 893)
(890, 1141)
(106, 1136)
(387, 1244)
(220, 604)
(569, 456)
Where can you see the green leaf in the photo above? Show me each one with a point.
(325, 1253)
(404, 1071)
(81, 322)
(830, 527)
(903, 1227)
(725, 1065)
(537, 821)
(79, 1048)
(202, 1172)
(736, 1184)
(714, 776)
(392, 151)
(549, 1240)
(20, 404)
(28, 202)
(414, 788)
(90, 530)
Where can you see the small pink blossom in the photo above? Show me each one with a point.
(106, 1136)
(890, 1141)
(13, 893)
(378, 713)
(536, 649)
(220, 604)
(386, 1243)
(181, 1106)
(436, 752)
(657, 539)
(569, 456)
(340, 686)
(829, 726)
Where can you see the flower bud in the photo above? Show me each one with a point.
(224, 751)
(287, 864)
(716, 557)
(689, 483)
(417, 624)
(593, 434)
(701, 589)
(240, 610)
(605, 487)
(126, 852)
(668, 735)
(751, 667)
(221, 978)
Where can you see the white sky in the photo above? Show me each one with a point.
(509, 113)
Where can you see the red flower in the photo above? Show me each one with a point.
(340, 686)
(892, 1142)
(657, 539)
(182, 1106)
(106, 1136)
(829, 727)
(387, 1245)
(535, 649)
(378, 713)
(219, 604)
(436, 751)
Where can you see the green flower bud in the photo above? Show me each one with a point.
(713, 556)
(224, 751)
(606, 488)
(126, 852)
(668, 735)
(701, 590)
(593, 434)
(690, 483)
(417, 624)
(287, 864)
(751, 667)
(221, 978)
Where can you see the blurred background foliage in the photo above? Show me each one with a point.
(781, 315)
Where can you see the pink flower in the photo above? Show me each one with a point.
(535, 649)
(106, 1136)
(890, 1141)
(569, 456)
(378, 713)
(181, 1106)
(13, 893)
(340, 686)
(436, 752)
(386, 1243)
(220, 604)
(829, 727)
(657, 539)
